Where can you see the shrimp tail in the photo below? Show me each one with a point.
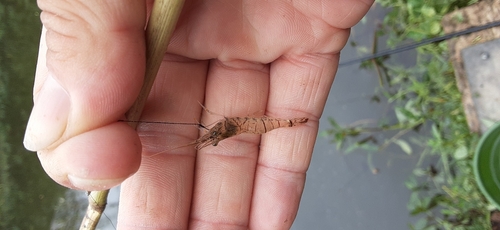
(262, 125)
(298, 121)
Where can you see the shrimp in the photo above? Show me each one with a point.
(232, 126)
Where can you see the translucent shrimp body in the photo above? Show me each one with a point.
(232, 126)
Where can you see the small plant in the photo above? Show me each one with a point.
(425, 100)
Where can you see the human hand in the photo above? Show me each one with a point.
(239, 57)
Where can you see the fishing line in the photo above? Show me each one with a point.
(168, 123)
(421, 43)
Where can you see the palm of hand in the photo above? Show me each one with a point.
(239, 58)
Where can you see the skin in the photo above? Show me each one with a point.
(238, 58)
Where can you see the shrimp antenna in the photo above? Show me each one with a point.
(208, 111)
(166, 150)
(200, 125)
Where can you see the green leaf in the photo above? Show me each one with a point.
(419, 172)
(400, 115)
(351, 148)
(333, 123)
(414, 202)
(404, 146)
(324, 133)
(428, 11)
(435, 132)
(435, 28)
(412, 108)
(420, 224)
(411, 183)
(461, 152)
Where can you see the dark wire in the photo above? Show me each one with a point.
(421, 43)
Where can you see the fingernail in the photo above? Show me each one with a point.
(93, 185)
(49, 116)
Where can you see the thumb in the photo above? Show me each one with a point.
(89, 72)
